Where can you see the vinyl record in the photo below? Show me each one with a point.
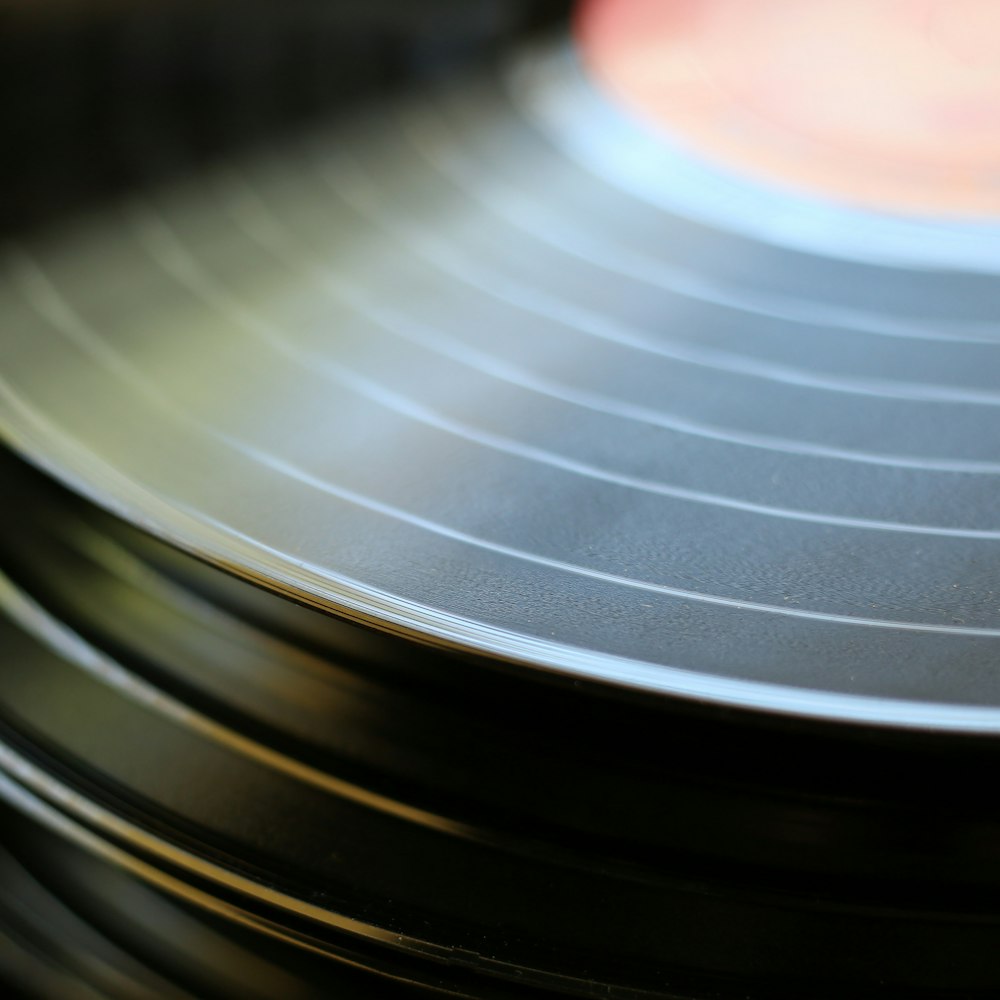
(461, 829)
(532, 537)
(434, 371)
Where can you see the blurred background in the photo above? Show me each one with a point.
(101, 95)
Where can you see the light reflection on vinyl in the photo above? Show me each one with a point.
(466, 387)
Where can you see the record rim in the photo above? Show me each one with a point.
(341, 596)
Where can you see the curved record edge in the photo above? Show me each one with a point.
(34, 799)
(58, 807)
(55, 453)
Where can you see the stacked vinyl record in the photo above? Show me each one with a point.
(536, 537)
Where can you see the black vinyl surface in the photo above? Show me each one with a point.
(436, 561)
(460, 827)
(465, 393)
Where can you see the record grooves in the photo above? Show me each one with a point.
(451, 552)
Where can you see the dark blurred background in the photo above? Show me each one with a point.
(101, 95)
